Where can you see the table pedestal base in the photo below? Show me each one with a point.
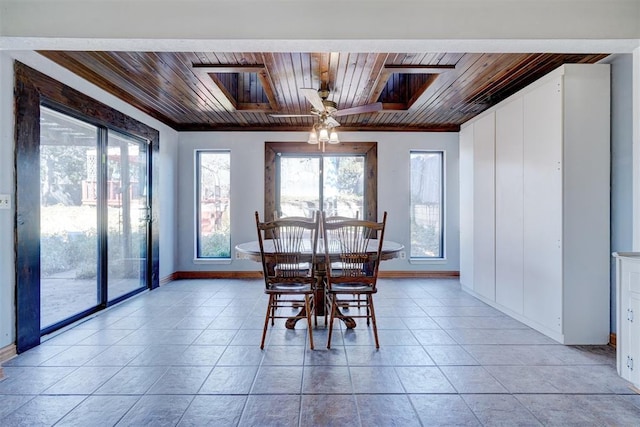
(349, 322)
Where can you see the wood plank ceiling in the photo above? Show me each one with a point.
(240, 91)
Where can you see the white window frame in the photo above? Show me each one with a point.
(443, 203)
(197, 259)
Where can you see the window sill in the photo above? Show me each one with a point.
(427, 261)
(219, 261)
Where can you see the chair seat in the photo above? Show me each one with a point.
(303, 266)
(288, 287)
(349, 288)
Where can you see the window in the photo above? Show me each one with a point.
(427, 189)
(331, 183)
(213, 169)
(341, 180)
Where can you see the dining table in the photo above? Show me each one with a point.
(251, 251)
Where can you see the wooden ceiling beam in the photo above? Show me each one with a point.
(379, 85)
(268, 87)
(371, 85)
(419, 95)
(221, 93)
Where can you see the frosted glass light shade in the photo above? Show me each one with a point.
(333, 138)
(313, 137)
(324, 135)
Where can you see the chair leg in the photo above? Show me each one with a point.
(272, 306)
(327, 309)
(315, 310)
(368, 299)
(266, 320)
(325, 301)
(327, 306)
(314, 301)
(308, 308)
(333, 312)
(373, 319)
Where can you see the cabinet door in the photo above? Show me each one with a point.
(509, 206)
(484, 206)
(631, 361)
(543, 205)
(466, 206)
(628, 318)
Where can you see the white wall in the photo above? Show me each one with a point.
(7, 270)
(635, 108)
(247, 190)
(168, 167)
(293, 20)
(621, 164)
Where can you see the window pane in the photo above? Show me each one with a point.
(214, 237)
(299, 186)
(127, 214)
(344, 186)
(342, 191)
(68, 217)
(426, 204)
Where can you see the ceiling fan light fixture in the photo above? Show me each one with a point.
(323, 131)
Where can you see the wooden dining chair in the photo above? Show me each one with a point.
(337, 265)
(356, 245)
(288, 252)
(313, 217)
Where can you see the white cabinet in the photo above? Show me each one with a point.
(628, 321)
(484, 207)
(544, 259)
(477, 207)
(509, 206)
(542, 193)
(465, 157)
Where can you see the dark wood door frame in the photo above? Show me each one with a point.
(33, 89)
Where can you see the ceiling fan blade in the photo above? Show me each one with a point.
(369, 108)
(292, 115)
(313, 97)
(332, 122)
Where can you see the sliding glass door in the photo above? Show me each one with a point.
(86, 180)
(94, 217)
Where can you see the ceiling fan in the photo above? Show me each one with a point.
(327, 110)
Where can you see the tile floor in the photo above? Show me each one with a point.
(188, 354)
